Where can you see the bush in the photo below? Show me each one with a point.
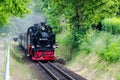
(102, 43)
(112, 52)
(71, 41)
(65, 45)
(111, 25)
(92, 41)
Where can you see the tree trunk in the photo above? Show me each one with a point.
(77, 17)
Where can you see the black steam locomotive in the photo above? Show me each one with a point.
(39, 42)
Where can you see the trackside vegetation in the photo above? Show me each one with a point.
(10, 8)
(2, 69)
(21, 67)
(80, 20)
(18, 69)
(111, 25)
(104, 44)
(98, 54)
(88, 34)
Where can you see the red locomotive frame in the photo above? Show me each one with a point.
(41, 55)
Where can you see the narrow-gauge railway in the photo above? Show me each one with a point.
(55, 72)
(39, 44)
(49, 72)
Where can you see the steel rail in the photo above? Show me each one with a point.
(61, 71)
(49, 72)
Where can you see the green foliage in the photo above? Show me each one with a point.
(92, 41)
(54, 23)
(3, 19)
(111, 25)
(59, 13)
(63, 49)
(12, 8)
(95, 11)
(117, 76)
(112, 52)
(102, 43)
(77, 14)
(71, 41)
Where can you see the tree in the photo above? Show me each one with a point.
(78, 14)
(10, 8)
(94, 11)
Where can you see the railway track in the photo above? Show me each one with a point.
(52, 71)
(55, 72)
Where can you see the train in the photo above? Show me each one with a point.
(39, 42)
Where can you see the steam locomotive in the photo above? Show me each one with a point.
(39, 42)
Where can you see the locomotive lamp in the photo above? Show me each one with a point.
(55, 45)
(33, 46)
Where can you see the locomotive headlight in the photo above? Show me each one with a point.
(55, 45)
(33, 46)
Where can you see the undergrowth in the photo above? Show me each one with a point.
(99, 49)
(17, 66)
(111, 25)
(63, 49)
(102, 43)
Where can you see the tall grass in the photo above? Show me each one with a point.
(63, 49)
(18, 65)
(66, 45)
(92, 41)
(102, 43)
(96, 50)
